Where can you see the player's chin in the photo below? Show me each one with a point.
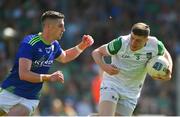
(59, 38)
(60, 35)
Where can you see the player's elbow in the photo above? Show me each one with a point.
(63, 58)
(22, 75)
(94, 53)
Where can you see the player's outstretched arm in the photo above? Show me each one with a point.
(74, 52)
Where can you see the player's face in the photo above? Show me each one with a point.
(58, 28)
(137, 42)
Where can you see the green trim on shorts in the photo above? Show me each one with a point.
(1, 89)
(10, 89)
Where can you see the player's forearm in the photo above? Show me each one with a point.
(168, 56)
(72, 53)
(33, 77)
(98, 58)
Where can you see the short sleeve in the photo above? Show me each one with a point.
(25, 51)
(114, 46)
(161, 48)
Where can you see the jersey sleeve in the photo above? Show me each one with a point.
(161, 48)
(114, 46)
(58, 49)
(25, 51)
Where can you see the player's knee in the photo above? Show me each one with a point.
(19, 110)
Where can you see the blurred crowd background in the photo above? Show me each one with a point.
(104, 20)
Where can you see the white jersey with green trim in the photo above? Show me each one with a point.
(131, 64)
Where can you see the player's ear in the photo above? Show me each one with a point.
(47, 24)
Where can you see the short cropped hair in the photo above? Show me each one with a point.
(141, 29)
(51, 15)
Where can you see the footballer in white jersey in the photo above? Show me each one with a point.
(124, 77)
(131, 64)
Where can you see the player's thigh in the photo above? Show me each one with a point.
(2, 112)
(7, 100)
(19, 110)
(30, 104)
(108, 101)
(125, 107)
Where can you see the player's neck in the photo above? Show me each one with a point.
(46, 38)
(135, 49)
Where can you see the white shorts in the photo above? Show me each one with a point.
(8, 100)
(125, 105)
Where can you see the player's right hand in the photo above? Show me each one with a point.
(111, 69)
(57, 76)
(86, 42)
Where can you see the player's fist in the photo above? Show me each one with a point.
(57, 76)
(87, 41)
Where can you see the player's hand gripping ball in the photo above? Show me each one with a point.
(157, 66)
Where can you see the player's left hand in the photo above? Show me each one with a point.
(87, 41)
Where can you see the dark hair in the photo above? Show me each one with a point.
(141, 29)
(51, 15)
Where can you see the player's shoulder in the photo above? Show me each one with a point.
(55, 42)
(155, 42)
(28, 38)
(31, 39)
(116, 44)
(125, 36)
(122, 38)
(153, 38)
(56, 45)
